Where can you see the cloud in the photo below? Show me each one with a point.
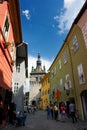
(68, 13)
(32, 62)
(26, 13)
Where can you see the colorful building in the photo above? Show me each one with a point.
(61, 78)
(35, 76)
(44, 92)
(78, 49)
(10, 36)
(20, 74)
(68, 72)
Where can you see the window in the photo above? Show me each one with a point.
(16, 88)
(60, 65)
(37, 79)
(6, 28)
(52, 74)
(81, 74)
(12, 51)
(48, 91)
(84, 32)
(75, 43)
(65, 57)
(45, 92)
(61, 85)
(54, 70)
(68, 82)
(18, 68)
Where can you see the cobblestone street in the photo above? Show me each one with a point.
(38, 121)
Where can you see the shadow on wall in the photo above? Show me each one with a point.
(18, 98)
(1, 79)
(3, 82)
(4, 91)
(2, 85)
(36, 98)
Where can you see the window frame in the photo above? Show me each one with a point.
(6, 27)
(75, 44)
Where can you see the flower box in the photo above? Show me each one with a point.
(6, 44)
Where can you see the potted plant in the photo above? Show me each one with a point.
(12, 62)
(6, 44)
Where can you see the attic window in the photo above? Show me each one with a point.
(6, 28)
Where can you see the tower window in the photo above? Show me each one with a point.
(18, 68)
(37, 79)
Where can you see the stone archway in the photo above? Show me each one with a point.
(84, 103)
(34, 103)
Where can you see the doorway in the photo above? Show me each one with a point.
(84, 104)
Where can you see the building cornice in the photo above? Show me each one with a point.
(14, 10)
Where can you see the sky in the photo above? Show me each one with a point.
(45, 25)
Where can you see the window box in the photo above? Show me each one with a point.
(6, 44)
(12, 62)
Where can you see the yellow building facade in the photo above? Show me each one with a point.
(45, 87)
(68, 72)
(61, 78)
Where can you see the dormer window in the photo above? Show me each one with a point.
(6, 28)
(18, 68)
(75, 43)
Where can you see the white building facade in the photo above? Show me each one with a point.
(35, 77)
(20, 74)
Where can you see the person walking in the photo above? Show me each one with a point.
(63, 111)
(56, 112)
(51, 110)
(1, 112)
(72, 110)
(48, 111)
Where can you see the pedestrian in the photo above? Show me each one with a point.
(72, 110)
(51, 110)
(48, 111)
(5, 112)
(56, 111)
(1, 111)
(63, 111)
(11, 112)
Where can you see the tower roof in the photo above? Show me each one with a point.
(38, 61)
(38, 68)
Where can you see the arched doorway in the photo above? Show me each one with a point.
(34, 103)
(84, 103)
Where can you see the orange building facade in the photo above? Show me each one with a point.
(10, 37)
